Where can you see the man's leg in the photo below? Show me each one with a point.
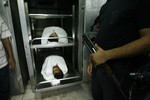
(96, 89)
(4, 83)
(103, 88)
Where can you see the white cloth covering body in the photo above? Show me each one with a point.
(49, 63)
(62, 35)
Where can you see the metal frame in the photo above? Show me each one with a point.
(26, 33)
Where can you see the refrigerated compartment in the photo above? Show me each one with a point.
(35, 16)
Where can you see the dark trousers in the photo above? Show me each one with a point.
(103, 88)
(4, 83)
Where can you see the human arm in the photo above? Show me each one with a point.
(136, 47)
(89, 69)
(8, 48)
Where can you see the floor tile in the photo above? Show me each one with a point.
(18, 97)
(77, 92)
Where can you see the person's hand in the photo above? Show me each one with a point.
(99, 57)
(12, 63)
(89, 69)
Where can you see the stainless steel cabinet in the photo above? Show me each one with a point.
(34, 17)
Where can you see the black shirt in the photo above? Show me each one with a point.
(120, 21)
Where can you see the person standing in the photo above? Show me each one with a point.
(123, 42)
(5, 64)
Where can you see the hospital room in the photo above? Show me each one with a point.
(74, 50)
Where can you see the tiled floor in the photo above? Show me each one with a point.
(78, 92)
